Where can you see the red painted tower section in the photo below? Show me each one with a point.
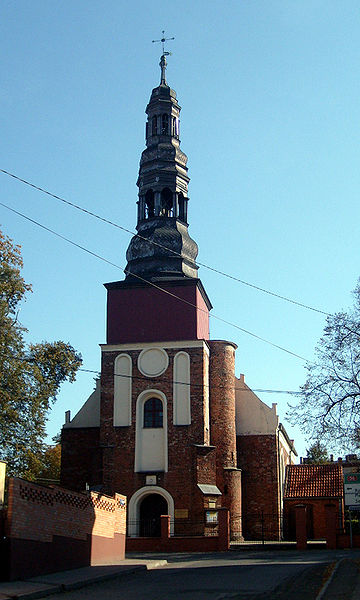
(165, 311)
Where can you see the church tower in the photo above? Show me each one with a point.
(160, 427)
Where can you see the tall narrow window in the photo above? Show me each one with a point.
(153, 413)
(164, 124)
(175, 127)
(182, 402)
(166, 202)
(181, 201)
(122, 390)
(154, 126)
(149, 204)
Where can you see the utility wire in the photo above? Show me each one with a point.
(193, 385)
(254, 335)
(171, 381)
(96, 216)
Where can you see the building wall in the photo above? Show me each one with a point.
(81, 457)
(316, 516)
(253, 417)
(51, 529)
(258, 460)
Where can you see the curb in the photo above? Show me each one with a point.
(329, 580)
(47, 585)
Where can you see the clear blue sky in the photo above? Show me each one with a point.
(270, 123)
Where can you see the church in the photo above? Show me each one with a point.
(168, 424)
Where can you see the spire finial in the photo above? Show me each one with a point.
(163, 62)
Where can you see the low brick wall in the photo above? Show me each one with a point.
(50, 529)
(343, 540)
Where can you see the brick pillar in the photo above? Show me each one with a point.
(232, 500)
(224, 529)
(223, 434)
(331, 523)
(301, 536)
(165, 527)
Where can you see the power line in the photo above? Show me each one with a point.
(172, 381)
(250, 333)
(196, 385)
(218, 271)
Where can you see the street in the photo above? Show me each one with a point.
(210, 576)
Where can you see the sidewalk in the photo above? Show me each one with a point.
(335, 580)
(45, 585)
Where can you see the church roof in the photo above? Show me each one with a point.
(314, 481)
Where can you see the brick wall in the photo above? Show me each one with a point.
(52, 528)
(81, 456)
(315, 516)
(258, 459)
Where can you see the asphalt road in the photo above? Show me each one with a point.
(217, 577)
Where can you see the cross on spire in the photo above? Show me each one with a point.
(163, 62)
(162, 41)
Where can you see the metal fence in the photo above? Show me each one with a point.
(178, 528)
(259, 527)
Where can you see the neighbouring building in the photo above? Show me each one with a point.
(314, 486)
(263, 450)
(161, 424)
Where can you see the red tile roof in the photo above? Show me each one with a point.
(314, 481)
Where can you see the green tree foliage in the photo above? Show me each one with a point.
(50, 463)
(317, 454)
(30, 374)
(329, 409)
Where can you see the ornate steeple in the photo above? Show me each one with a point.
(163, 195)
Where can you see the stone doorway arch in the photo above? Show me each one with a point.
(136, 508)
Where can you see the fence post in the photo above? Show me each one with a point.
(330, 520)
(301, 535)
(224, 529)
(165, 527)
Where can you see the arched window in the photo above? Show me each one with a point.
(164, 124)
(153, 413)
(182, 211)
(166, 202)
(149, 204)
(154, 126)
(175, 127)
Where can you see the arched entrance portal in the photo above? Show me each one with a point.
(151, 508)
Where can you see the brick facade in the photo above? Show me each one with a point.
(203, 452)
(258, 459)
(51, 528)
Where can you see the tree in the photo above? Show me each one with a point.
(30, 374)
(317, 454)
(329, 409)
(51, 461)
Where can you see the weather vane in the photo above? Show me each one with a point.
(163, 56)
(163, 40)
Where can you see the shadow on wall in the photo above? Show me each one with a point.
(50, 529)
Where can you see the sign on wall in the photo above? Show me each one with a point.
(352, 490)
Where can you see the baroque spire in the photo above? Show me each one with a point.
(163, 248)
